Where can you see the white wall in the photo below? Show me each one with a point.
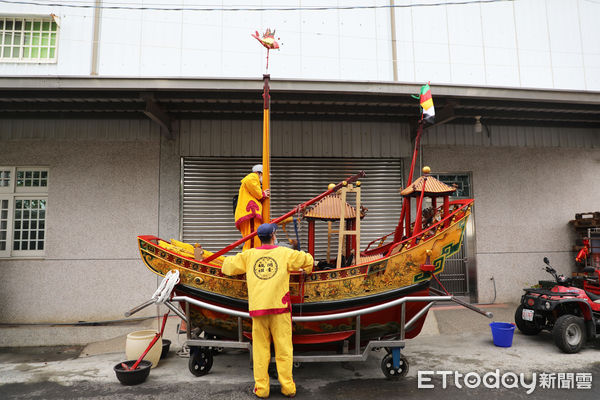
(524, 199)
(101, 195)
(74, 52)
(529, 44)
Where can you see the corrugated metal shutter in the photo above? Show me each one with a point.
(209, 185)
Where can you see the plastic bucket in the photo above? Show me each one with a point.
(502, 333)
(138, 341)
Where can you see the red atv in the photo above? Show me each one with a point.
(566, 307)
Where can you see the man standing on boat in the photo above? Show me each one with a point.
(267, 270)
(248, 212)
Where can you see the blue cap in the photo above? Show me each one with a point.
(266, 230)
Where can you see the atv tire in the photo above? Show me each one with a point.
(569, 333)
(526, 327)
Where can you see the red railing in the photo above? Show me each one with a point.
(460, 206)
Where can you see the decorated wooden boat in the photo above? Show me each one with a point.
(397, 265)
(390, 270)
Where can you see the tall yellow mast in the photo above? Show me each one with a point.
(266, 150)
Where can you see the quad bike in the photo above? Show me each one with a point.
(566, 307)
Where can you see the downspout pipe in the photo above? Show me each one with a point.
(96, 36)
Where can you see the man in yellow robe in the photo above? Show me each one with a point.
(248, 212)
(267, 270)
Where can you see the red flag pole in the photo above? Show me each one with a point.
(405, 202)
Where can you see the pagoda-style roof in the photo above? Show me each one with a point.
(433, 188)
(329, 209)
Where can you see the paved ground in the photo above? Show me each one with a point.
(454, 341)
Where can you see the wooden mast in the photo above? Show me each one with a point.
(266, 149)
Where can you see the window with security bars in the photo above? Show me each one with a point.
(23, 202)
(462, 182)
(24, 39)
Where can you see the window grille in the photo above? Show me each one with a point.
(25, 39)
(23, 202)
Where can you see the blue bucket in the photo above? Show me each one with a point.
(502, 333)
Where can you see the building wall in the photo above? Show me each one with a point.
(524, 199)
(529, 44)
(102, 193)
(113, 180)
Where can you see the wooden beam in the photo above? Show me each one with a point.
(160, 116)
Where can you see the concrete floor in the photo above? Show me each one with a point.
(454, 340)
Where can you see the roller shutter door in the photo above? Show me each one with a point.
(209, 185)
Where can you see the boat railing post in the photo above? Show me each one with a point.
(402, 321)
(239, 329)
(357, 336)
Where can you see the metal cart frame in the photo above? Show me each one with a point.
(393, 365)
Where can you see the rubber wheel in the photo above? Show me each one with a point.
(201, 361)
(387, 366)
(526, 327)
(569, 333)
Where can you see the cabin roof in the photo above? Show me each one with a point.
(433, 187)
(329, 209)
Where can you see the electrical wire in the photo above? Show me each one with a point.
(259, 9)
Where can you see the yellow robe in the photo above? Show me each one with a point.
(248, 212)
(267, 270)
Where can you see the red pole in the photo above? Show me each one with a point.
(446, 210)
(419, 216)
(311, 237)
(348, 238)
(407, 217)
(405, 213)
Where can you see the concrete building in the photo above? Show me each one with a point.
(120, 122)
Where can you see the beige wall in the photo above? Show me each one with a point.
(101, 195)
(524, 199)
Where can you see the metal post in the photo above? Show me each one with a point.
(402, 321)
(188, 326)
(239, 329)
(357, 335)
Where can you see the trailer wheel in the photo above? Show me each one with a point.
(569, 333)
(387, 366)
(201, 361)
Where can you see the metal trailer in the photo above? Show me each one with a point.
(393, 364)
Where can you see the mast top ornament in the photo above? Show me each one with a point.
(268, 41)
